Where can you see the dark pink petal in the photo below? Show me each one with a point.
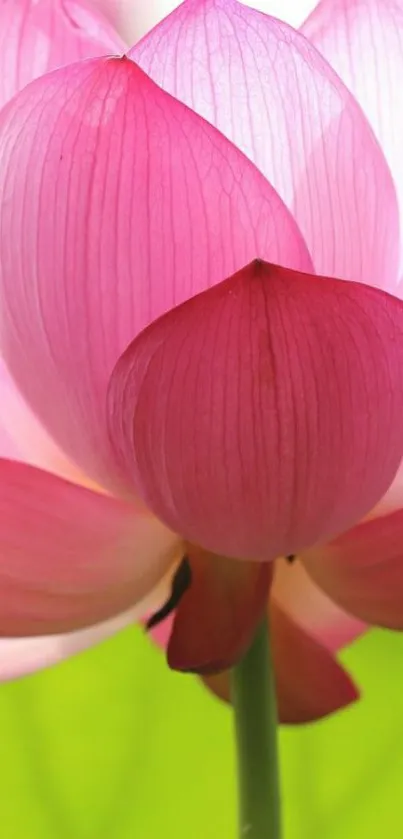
(267, 89)
(70, 557)
(263, 415)
(310, 683)
(363, 41)
(116, 203)
(363, 570)
(218, 615)
(38, 35)
(310, 608)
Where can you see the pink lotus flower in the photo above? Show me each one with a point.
(181, 403)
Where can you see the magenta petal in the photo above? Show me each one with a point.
(264, 413)
(363, 41)
(39, 35)
(116, 203)
(363, 570)
(70, 557)
(267, 89)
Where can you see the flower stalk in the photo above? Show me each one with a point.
(255, 709)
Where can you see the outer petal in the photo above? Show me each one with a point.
(70, 557)
(310, 683)
(267, 89)
(116, 203)
(22, 656)
(311, 609)
(363, 41)
(362, 570)
(264, 413)
(39, 35)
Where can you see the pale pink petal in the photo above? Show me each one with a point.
(116, 203)
(70, 557)
(363, 570)
(133, 18)
(39, 35)
(22, 656)
(363, 41)
(22, 437)
(264, 413)
(310, 608)
(293, 12)
(267, 89)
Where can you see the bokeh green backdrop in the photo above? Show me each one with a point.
(112, 745)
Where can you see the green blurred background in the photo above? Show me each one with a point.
(112, 745)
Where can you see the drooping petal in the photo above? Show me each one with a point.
(363, 41)
(70, 557)
(362, 570)
(268, 89)
(264, 413)
(23, 656)
(39, 35)
(311, 609)
(217, 616)
(310, 683)
(116, 203)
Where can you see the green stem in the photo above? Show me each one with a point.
(254, 703)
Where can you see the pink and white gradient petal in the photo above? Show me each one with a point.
(363, 41)
(272, 93)
(69, 557)
(39, 35)
(23, 656)
(362, 570)
(311, 609)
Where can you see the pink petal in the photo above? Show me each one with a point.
(293, 12)
(38, 35)
(22, 437)
(22, 656)
(70, 557)
(363, 41)
(310, 608)
(264, 413)
(363, 570)
(267, 89)
(133, 18)
(310, 683)
(113, 232)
